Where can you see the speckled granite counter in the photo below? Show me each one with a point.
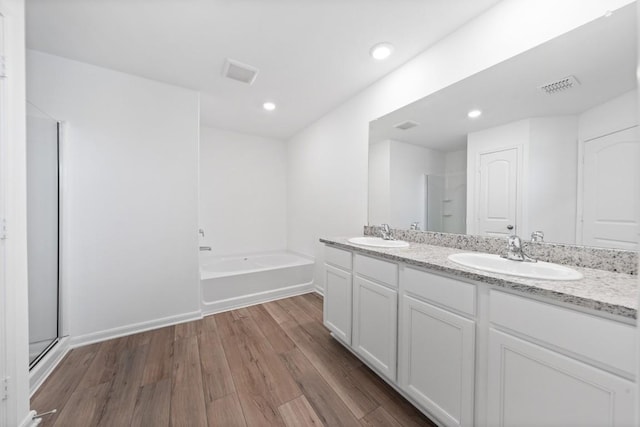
(603, 291)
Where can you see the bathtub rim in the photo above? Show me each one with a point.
(205, 275)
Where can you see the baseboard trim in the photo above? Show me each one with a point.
(47, 364)
(134, 329)
(29, 421)
(257, 298)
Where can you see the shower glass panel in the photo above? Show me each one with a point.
(42, 231)
(434, 185)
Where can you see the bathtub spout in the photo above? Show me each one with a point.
(205, 248)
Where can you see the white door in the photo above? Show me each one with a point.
(375, 320)
(611, 190)
(532, 386)
(337, 302)
(436, 361)
(497, 197)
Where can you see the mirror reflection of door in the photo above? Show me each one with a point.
(497, 198)
(610, 190)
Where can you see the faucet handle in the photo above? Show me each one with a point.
(414, 225)
(537, 236)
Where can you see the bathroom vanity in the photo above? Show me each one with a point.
(471, 348)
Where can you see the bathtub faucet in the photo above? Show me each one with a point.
(205, 248)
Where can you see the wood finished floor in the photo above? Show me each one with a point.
(272, 364)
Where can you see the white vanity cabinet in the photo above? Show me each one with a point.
(337, 308)
(550, 366)
(375, 313)
(437, 345)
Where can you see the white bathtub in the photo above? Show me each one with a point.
(238, 281)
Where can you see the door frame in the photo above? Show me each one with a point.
(473, 183)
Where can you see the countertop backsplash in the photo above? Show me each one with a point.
(615, 260)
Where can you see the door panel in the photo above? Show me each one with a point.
(611, 187)
(497, 198)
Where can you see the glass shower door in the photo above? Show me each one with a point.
(42, 231)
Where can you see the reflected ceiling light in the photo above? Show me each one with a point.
(381, 51)
(269, 106)
(474, 114)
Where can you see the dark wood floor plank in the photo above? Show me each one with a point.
(123, 393)
(270, 365)
(261, 379)
(159, 363)
(276, 336)
(216, 375)
(84, 407)
(62, 383)
(308, 306)
(325, 402)
(299, 413)
(357, 400)
(225, 412)
(153, 405)
(279, 314)
(187, 396)
(379, 418)
(188, 329)
(394, 404)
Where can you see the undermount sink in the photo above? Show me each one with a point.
(533, 270)
(378, 242)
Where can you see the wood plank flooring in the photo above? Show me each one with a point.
(272, 364)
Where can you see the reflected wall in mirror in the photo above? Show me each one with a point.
(555, 149)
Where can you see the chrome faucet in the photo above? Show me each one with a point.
(414, 226)
(386, 232)
(205, 248)
(514, 250)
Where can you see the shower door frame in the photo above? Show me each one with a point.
(59, 324)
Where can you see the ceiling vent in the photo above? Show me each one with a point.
(406, 125)
(238, 71)
(560, 85)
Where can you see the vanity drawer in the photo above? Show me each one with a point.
(441, 290)
(602, 340)
(337, 257)
(383, 271)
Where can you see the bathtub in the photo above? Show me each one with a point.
(238, 281)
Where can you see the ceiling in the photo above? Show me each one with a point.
(312, 55)
(601, 55)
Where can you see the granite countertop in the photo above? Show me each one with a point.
(604, 292)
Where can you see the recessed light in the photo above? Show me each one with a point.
(474, 114)
(269, 106)
(381, 51)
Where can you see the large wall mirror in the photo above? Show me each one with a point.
(554, 149)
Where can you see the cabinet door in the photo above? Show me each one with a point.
(375, 311)
(532, 386)
(337, 302)
(437, 356)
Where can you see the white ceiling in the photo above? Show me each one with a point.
(601, 54)
(312, 54)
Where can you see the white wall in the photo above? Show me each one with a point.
(242, 192)
(552, 178)
(409, 165)
(379, 183)
(327, 180)
(614, 115)
(130, 162)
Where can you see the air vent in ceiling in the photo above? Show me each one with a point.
(238, 71)
(406, 125)
(560, 85)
